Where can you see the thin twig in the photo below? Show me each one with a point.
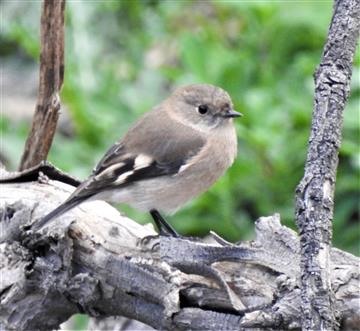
(47, 110)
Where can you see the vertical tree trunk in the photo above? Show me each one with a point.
(46, 114)
(315, 193)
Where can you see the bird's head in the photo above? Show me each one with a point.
(202, 106)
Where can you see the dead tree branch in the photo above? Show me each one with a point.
(47, 110)
(315, 193)
(94, 261)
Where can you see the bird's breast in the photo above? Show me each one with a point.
(203, 169)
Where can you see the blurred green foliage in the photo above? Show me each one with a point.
(123, 57)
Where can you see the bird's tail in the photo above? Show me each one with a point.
(67, 205)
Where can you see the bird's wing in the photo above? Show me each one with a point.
(146, 152)
(155, 146)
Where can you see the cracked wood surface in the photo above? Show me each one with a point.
(92, 260)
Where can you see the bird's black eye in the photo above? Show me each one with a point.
(203, 109)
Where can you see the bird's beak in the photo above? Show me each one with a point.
(232, 113)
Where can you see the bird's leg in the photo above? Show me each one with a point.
(164, 228)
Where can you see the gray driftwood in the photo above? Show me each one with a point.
(92, 260)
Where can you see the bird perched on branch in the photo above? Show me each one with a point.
(172, 154)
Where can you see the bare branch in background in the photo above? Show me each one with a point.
(47, 110)
(315, 193)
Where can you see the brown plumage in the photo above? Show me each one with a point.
(172, 154)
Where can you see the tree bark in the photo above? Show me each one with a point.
(48, 106)
(94, 261)
(315, 193)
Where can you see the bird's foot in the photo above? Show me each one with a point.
(165, 229)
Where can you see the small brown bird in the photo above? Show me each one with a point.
(172, 154)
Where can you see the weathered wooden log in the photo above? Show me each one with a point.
(92, 260)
